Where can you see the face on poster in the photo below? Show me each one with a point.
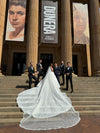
(16, 20)
(81, 23)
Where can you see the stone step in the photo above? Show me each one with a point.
(72, 98)
(76, 89)
(80, 92)
(8, 104)
(16, 121)
(78, 81)
(85, 98)
(87, 107)
(87, 82)
(84, 95)
(8, 95)
(4, 115)
(86, 88)
(14, 104)
(24, 85)
(7, 99)
(86, 91)
(17, 90)
(10, 121)
(85, 103)
(11, 91)
(76, 94)
(15, 79)
(77, 107)
(23, 88)
(10, 109)
(14, 86)
(79, 87)
(90, 113)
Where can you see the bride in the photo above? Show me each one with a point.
(46, 107)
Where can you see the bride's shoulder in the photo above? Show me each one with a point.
(51, 68)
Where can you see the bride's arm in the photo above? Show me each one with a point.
(51, 69)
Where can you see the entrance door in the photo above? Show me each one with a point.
(19, 62)
(47, 59)
(75, 64)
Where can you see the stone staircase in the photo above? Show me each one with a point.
(85, 99)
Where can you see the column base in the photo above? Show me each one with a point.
(74, 75)
(1, 73)
(25, 73)
(97, 74)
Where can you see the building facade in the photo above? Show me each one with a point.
(15, 56)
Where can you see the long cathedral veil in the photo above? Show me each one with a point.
(46, 107)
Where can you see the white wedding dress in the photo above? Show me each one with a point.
(46, 107)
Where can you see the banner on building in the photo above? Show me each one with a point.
(49, 22)
(16, 20)
(81, 23)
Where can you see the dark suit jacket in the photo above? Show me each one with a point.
(70, 71)
(31, 71)
(57, 70)
(39, 67)
(62, 69)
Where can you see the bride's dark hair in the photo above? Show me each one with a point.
(51, 64)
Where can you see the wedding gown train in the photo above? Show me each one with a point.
(46, 107)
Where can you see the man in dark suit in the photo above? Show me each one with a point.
(62, 69)
(57, 72)
(40, 69)
(32, 75)
(69, 71)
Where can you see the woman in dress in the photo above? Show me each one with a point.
(46, 107)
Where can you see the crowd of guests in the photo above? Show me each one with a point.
(58, 71)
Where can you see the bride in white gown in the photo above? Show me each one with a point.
(46, 107)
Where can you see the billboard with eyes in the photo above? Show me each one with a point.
(81, 23)
(16, 20)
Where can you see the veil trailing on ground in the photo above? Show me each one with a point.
(46, 107)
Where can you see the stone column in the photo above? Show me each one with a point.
(32, 33)
(2, 22)
(88, 59)
(66, 43)
(94, 17)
